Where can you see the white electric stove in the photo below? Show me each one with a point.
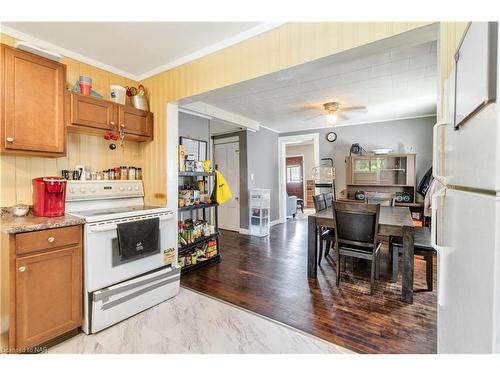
(116, 288)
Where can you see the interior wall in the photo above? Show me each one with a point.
(263, 165)
(194, 127)
(308, 152)
(16, 172)
(414, 135)
(286, 46)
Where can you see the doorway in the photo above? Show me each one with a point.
(283, 142)
(227, 159)
(295, 176)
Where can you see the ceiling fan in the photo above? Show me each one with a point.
(334, 110)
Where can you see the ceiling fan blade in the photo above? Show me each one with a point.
(313, 117)
(354, 108)
(342, 116)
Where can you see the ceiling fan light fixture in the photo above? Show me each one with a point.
(331, 118)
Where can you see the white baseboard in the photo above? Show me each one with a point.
(247, 231)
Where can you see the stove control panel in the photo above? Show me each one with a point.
(103, 189)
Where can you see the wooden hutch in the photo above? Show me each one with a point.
(390, 173)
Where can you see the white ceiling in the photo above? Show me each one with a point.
(135, 49)
(393, 80)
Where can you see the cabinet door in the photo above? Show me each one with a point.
(48, 295)
(93, 113)
(137, 122)
(33, 100)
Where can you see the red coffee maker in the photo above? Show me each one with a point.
(49, 196)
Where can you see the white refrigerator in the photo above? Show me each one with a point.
(466, 209)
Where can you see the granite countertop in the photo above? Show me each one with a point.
(11, 224)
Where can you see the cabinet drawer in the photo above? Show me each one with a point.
(47, 239)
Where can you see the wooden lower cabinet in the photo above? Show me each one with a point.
(45, 291)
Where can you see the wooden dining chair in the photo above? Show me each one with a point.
(327, 235)
(421, 247)
(356, 228)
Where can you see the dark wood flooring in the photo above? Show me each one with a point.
(268, 276)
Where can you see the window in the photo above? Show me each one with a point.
(294, 173)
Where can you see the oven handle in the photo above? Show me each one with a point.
(108, 227)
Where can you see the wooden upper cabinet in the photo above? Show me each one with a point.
(137, 122)
(92, 115)
(32, 101)
(48, 295)
(92, 112)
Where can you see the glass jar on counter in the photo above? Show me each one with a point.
(131, 173)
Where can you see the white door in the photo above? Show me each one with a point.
(468, 270)
(227, 158)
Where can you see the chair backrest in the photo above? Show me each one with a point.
(356, 223)
(329, 199)
(319, 202)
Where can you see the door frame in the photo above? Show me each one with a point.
(303, 174)
(282, 142)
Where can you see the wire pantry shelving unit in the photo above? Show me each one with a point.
(205, 209)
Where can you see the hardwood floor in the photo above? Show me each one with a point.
(269, 276)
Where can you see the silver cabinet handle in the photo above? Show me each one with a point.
(51, 239)
(21, 269)
(9, 139)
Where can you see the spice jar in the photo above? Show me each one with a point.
(131, 173)
(138, 174)
(117, 173)
(123, 173)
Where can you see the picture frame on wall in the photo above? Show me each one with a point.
(195, 147)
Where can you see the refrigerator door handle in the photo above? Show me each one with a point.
(435, 154)
(441, 250)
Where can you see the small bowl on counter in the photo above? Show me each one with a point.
(20, 210)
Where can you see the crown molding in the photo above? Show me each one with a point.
(235, 39)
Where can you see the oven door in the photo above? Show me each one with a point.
(103, 264)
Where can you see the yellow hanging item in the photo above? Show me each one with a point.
(222, 192)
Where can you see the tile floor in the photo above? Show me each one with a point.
(194, 323)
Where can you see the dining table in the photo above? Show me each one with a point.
(393, 221)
